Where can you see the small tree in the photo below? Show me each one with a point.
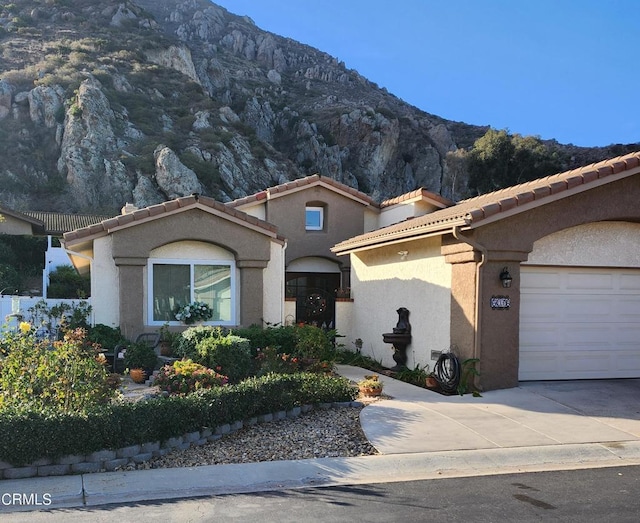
(65, 282)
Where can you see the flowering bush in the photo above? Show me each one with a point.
(185, 376)
(64, 376)
(270, 360)
(193, 312)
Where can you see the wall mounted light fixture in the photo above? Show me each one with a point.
(506, 278)
(403, 255)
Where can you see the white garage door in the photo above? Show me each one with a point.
(579, 323)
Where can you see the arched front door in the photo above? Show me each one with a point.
(315, 295)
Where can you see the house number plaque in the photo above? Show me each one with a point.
(500, 303)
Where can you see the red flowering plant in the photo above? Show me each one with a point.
(270, 360)
(185, 376)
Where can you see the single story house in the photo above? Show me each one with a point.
(538, 281)
(262, 259)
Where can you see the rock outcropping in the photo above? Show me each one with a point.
(105, 102)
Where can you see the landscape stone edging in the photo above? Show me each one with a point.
(110, 460)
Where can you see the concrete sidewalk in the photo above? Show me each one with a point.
(420, 434)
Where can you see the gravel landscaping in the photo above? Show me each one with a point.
(320, 433)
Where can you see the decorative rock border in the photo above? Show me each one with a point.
(109, 460)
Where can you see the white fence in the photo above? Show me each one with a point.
(14, 309)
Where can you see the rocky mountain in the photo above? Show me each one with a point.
(105, 102)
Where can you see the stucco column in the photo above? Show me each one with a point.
(131, 292)
(499, 325)
(485, 316)
(251, 291)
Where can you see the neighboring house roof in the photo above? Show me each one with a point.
(58, 223)
(52, 222)
(19, 216)
(304, 183)
(486, 208)
(166, 209)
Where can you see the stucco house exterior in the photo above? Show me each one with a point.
(314, 214)
(318, 251)
(146, 261)
(271, 251)
(568, 243)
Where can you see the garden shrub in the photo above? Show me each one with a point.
(270, 360)
(185, 376)
(140, 356)
(105, 336)
(313, 342)
(66, 376)
(26, 436)
(189, 339)
(229, 355)
(282, 338)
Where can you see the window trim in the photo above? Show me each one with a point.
(191, 262)
(320, 212)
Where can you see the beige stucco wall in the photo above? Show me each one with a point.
(104, 284)
(382, 282)
(344, 322)
(402, 211)
(273, 296)
(11, 225)
(600, 244)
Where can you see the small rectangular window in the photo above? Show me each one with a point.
(314, 219)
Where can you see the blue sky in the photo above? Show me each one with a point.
(563, 69)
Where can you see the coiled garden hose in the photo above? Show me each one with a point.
(447, 372)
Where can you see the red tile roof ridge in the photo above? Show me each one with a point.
(473, 211)
(156, 210)
(298, 183)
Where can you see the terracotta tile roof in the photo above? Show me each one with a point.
(301, 183)
(20, 216)
(420, 193)
(489, 207)
(153, 212)
(59, 223)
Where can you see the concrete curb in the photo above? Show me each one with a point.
(166, 484)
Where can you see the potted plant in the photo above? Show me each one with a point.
(167, 340)
(140, 356)
(195, 312)
(138, 375)
(370, 385)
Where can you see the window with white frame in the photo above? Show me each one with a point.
(314, 218)
(175, 283)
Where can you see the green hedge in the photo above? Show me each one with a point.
(27, 437)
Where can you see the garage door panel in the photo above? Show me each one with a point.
(629, 282)
(585, 307)
(540, 280)
(591, 281)
(579, 323)
(627, 308)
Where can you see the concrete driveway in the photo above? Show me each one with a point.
(416, 420)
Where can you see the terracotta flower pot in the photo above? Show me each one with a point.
(370, 392)
(138, 375)
(431, 382)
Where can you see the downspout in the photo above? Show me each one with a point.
(284, 282)
(478, 309)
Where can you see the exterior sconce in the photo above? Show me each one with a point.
(506, 278)
(403, 255)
